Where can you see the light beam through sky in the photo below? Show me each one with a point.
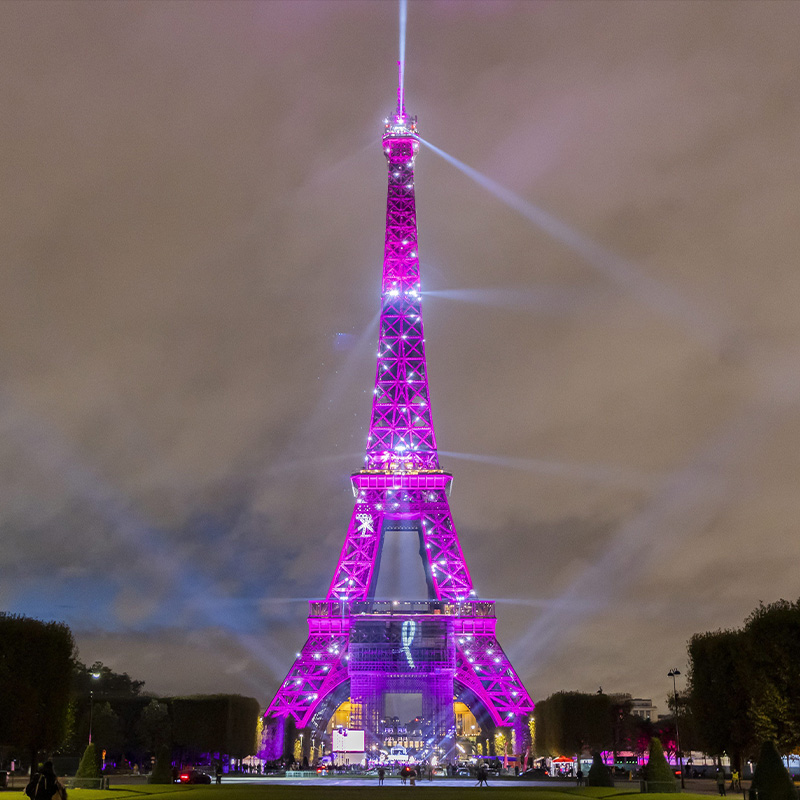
(551, 300)
(580, 473)
(655, 295)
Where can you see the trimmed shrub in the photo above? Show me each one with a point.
(771, 780)
(90, 763)
(599, 773)
(658, 773)
(162, 769)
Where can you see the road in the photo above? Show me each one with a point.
(697, 786)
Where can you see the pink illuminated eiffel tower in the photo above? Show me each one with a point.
(362, 648)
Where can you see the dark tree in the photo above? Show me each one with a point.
(104, 685)
(721, 690)
(570, 722)
(685, 720)
(745, 684)
(215, 724)
(771, 780)
(106, 730)
(641, 734)
(773, 634)
(112, 684)
(622, 723)
(162, 769)
(657, 772)
(599, 773)
(90, 763)
(36, 667)
(155, 726)
(95, 688)
(665, 730)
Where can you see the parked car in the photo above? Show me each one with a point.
(193, 776)
(535, 773)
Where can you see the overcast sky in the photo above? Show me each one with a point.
(192, 234)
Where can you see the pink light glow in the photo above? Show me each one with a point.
(402, 484)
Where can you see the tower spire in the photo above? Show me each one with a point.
(401, 436)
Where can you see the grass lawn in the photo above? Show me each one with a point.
(317, 792)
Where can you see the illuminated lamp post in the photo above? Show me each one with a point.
(95, 676)
(673, 673)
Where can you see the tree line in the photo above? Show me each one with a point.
(744, 684)
(50, 701)
(743, 690)
(567, 723)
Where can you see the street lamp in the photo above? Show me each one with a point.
(96, 676)
(673, 673)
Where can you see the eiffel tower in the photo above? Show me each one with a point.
(367, 643)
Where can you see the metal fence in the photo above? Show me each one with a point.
(18, 780)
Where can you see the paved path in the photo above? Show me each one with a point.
(705, 786)
(393, 780)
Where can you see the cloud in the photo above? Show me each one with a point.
(194, 220)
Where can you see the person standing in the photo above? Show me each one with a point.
(44, 785)
(579, 776)
(721, 781)
(381, 775)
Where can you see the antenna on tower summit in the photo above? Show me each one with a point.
(401, 105)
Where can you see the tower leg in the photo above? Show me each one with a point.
(305, 746)
(272, 740)
(289, 737)
(367, 698)
(521, 737)
(437, 707)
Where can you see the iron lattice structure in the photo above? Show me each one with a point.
(401, 487)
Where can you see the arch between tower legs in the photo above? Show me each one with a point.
(364, 658)
(490, 722)
(281, 732)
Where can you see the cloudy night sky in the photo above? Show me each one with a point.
(192, 236)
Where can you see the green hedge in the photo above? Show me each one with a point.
(771, 780)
